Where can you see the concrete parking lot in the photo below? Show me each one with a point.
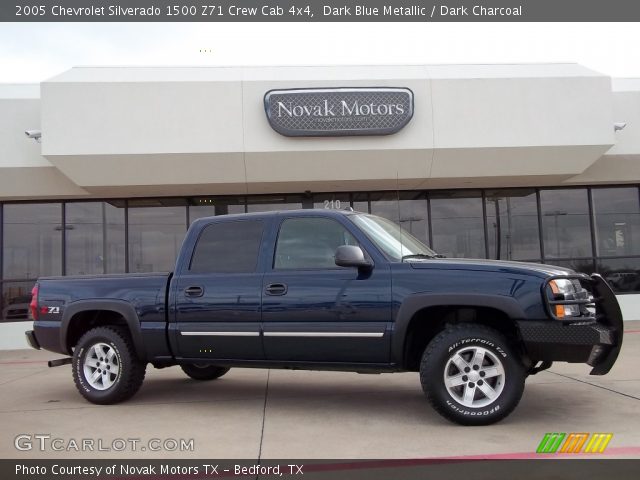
(253, 414)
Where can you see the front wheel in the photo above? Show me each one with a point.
(199, 371)
(471, 375)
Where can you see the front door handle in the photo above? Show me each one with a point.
(194, 291)
(276, 289)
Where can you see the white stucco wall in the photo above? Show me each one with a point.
(630, 306)
(477, 125)
(12, 335)
(121, 131)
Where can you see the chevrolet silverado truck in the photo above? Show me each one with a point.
(329, 290)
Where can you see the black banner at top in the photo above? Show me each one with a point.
(319, 11)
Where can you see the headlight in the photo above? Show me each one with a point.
(564, 289)
(562, 286)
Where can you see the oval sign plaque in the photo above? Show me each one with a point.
(330, 112)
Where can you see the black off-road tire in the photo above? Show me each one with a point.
(439, 360)
(204, 372)
(131, 370)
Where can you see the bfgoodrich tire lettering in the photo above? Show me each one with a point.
(116, 342)
(471, 375)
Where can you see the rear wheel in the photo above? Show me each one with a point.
(201, 371)
(106, 369)
(471, 375)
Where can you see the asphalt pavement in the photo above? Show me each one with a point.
(276, 414)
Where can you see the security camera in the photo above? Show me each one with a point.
(619, 126)
(35, 134)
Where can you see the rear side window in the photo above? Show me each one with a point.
(228, 247)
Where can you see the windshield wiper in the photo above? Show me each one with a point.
(417, 255)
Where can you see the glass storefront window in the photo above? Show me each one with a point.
(407, 209)
(617, 221)
(155, 236)
(94, 234)
(212, 206)
(457, 223)
(361, 202)
(32, 240)
(580, 265)
(16, 297)
(95, 240)
(512, 224)
(565, 223)
(623, 274)
(274, 203)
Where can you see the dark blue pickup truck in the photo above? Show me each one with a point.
(329, 290)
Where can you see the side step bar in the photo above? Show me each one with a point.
(59, 362)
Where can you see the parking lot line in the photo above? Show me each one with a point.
(20, 362)
(595, 385)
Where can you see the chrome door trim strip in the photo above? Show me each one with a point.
(325, 334)
(222, 334)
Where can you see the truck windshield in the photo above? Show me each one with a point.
(397, 244)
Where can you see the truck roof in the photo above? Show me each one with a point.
(302, 212)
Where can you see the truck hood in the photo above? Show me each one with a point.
(491, 265)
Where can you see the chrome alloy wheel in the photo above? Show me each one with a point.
(474, 376)
(101, 366)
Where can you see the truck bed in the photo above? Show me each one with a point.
(143, 293)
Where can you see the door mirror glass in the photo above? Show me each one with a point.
(351, 256)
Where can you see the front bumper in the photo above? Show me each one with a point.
(596, 342)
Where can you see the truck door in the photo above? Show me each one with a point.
(218, 293)
(315, 311)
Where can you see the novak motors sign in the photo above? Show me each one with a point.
(316, 112)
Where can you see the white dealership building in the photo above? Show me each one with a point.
(523, 162)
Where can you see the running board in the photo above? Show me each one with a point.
(59, 362)
(542, 366)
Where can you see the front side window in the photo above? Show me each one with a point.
(310, 243)
(228, 247)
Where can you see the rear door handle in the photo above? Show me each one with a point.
(194, 291)
(276, 289)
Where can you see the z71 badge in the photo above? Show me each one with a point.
(50, 310)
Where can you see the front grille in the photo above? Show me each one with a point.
(585, 293)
